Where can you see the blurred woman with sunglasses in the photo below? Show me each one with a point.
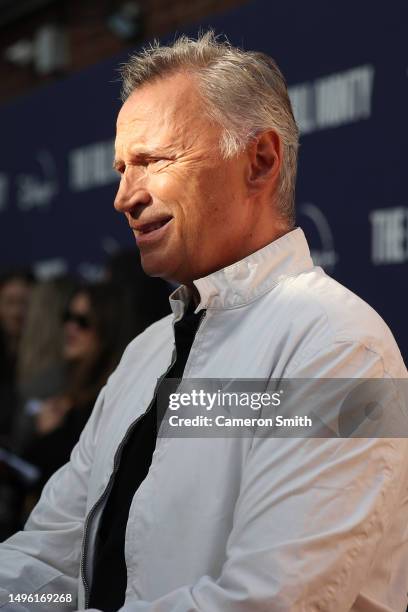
(94, 336)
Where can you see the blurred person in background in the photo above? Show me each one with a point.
(15, 289)
(94, 334)
(40, 373)
(41, 368)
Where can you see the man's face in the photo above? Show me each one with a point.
(187, 207)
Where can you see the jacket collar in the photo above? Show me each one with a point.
(247, 279)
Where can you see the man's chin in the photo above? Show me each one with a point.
(152, 266)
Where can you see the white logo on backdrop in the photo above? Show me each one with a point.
(91, 166)
(389, 235)
(46, 269)
(37, 190)
(324, 255)
(334, 100)
(91, 272)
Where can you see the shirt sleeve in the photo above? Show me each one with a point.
(44, 558)
(310, 517)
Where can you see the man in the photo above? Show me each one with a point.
(206, 147)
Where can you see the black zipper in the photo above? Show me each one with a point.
(116, 462)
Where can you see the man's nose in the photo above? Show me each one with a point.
(127, 201)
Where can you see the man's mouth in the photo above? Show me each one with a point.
(150, 227)
(153, 231)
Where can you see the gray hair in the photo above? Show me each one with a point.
(245, 91)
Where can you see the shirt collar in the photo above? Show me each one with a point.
(247, 279)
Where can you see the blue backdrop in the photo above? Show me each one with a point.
(346, 65)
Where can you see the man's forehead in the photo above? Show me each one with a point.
(171, 95)
(145, 133)
(141, 126)
(160, 114)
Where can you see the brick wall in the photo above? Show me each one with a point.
(89, 38)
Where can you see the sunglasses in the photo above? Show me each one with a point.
(81, 320)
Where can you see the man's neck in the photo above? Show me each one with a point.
(194, 291)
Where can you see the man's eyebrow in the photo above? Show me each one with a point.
(142, 153)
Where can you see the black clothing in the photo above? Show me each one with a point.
(52, 450)
(8, 391)
(109, 576)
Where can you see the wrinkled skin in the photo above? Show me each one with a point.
(167, 152)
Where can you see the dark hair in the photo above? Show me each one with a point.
(147, 298)
(11, 274)
(8, 360)
(106, 308)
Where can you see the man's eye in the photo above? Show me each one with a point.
(153, 160)
(141, 163)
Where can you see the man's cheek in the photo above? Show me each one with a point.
(167, 184)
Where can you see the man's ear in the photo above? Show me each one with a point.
(265, 159)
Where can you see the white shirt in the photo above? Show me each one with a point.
(238, 524)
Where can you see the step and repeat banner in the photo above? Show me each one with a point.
(346, 65)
